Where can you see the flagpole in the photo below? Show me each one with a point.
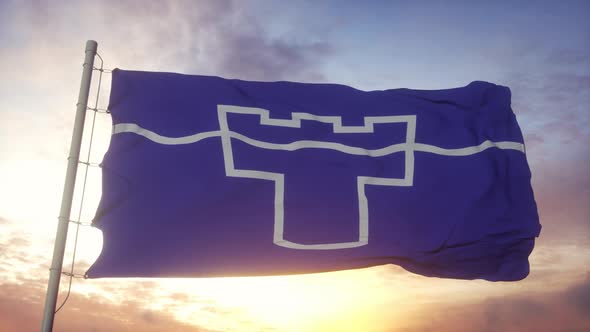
(68, 193)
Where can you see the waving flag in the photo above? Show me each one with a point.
(207, 177)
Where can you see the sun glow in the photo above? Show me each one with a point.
(339, 301)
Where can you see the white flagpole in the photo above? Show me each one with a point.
(68, 193)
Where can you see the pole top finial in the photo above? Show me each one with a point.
(91, 45)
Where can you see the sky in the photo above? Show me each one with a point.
(540, 49)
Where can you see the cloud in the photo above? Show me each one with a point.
(20, 264)
(14, 248)
(579, 297)
(568, 57)
(549, 84)
(518, 312)
(248, 53)
(562, 190)
(18, 241)
(224, 38)
(523, 311)
(21, 307)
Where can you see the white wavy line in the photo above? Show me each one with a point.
(466, 151)
(155, 137)
(298, 145)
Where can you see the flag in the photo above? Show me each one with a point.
(209, 177)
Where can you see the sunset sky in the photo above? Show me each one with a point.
(540, 49)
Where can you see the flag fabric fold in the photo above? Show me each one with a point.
(209, 177)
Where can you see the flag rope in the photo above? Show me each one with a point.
(88, 164)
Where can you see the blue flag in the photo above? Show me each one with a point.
(208, 177)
